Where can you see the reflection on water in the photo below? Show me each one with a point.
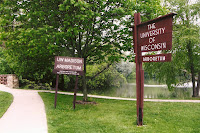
(152, 91)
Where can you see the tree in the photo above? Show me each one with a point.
(28, 29)
(92, 31)
(186, 42)
(96, 30)
(5, 69)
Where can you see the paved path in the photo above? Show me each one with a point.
(129, 99)
(26, 114)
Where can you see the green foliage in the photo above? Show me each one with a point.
(34, 31)
(5, 68)
(93, 29)
(185, 48)
(28, 31)
(5, 101)
(116, 116)
(125, 68)
(106, 80)
(150, 9)
(27, 84)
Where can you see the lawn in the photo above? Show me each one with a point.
(5, 101)
(116, 116)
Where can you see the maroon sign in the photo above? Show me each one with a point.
(157, 58)
(156, 34)
(152, 35)
(68, 65)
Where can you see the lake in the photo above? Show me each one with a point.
(151, 91)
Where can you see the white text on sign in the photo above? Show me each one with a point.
(69, 60)
(151, 35)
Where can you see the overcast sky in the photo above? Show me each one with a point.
(192, 2)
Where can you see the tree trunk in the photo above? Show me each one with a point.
(97, 74)
(193, 86)
(198, 84)
(84, 83)
(191, 63)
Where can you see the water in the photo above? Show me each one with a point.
(151, 91)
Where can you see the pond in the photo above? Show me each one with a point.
(151, 91)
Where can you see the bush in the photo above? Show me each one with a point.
(25, 83)
(108, 79)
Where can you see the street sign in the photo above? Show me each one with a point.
(68, 65)
(156, 34)
(157, 58)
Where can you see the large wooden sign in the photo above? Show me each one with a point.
(68, 65)
(155, 34)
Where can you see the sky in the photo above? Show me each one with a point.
(192, 2)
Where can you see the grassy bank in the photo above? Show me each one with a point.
(5, 101)
(115, 116)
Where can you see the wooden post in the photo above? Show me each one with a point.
(57, 79)
(140, 39)
(75, 90)
(139, 72)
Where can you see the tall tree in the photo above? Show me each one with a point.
(29, 30)
(96, 30)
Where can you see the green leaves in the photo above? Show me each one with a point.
(97, 30)
(185, 49)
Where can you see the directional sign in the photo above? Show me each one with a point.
(68, 65)
(156, 34)
(157, 58)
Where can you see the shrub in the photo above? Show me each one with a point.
(108, 79)
(25, 83)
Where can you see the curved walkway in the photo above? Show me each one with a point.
(26, 114)
(129, 99)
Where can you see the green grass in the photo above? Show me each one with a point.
(5, 101)
(115, 116)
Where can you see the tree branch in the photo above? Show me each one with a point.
(97, 74)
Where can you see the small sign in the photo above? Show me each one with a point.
(156, 34)
(157, 58)
(68, 65)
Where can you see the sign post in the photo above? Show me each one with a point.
(153, 35)
(69, 66)
(75, 91)
(139, 72)
(57, 79)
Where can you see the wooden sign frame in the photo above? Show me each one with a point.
(153, 35)
(68, 66)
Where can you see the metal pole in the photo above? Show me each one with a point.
(139, 72)
(75, 90)
(57, 79)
